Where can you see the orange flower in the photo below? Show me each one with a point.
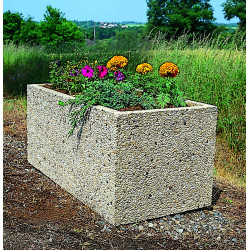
(168, 69)
(117, 62)
(144, 68)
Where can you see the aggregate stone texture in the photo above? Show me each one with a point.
(128, 166)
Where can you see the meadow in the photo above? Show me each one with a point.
(211, 71)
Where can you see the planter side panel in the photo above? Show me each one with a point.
(166, 160)
(83, 163)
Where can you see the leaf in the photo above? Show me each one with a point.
(228, 201)
(168, 85)
(183, 104)
(167, 98)
(61, 103)
(163, 99)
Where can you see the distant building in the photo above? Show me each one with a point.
(107, 25)
(111, 25)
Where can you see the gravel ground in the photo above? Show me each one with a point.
(38, 214)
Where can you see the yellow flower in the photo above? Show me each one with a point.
(111, 67)
(144, 68)
(168, 69)
(117, 62)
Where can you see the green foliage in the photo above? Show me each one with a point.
(166, 91)
(60, 35)
(111, 91)
(12, 23)
(20, 31)
(109, 94)
(123, 38)
(56, 75)
(216, 77)
(100, 33)
(56, 29)
(23, 65)
(85, 24)
(235, 8)
(163, 99)
(176, 16)
(30, 33)
(127, 39)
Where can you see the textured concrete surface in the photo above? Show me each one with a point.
(128, 166)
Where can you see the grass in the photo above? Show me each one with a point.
(134, 24)
(211, 71)
(20, 65)
(24, 65)
(216, 77)
(18, 104)
(229, 165)
(14, 115)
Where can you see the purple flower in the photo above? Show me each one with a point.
(87, 71)
(74, 72)
(119, 76)
(102, 71)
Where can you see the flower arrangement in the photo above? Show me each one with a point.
(113, 86)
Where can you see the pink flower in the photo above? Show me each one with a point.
(87, 71)
(102, 71)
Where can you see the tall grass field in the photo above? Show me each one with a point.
(212, 72)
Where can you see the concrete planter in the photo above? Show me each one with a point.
(128, 166)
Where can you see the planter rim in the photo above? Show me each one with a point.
(195, 105)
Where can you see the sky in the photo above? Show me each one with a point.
(96, 10)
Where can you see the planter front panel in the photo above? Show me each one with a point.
(128, 166)
(83, 164)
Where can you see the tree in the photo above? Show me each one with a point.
(18, 30)
(235, 8)
(30, 32)
(57, 30)
(54, 30)
(177, 16)
(12, 23)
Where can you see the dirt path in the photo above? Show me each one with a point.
(38, 214)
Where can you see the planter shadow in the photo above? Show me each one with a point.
(215, 195)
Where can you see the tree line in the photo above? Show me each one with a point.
(52, 31)
(196, 16)
(171, 17)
